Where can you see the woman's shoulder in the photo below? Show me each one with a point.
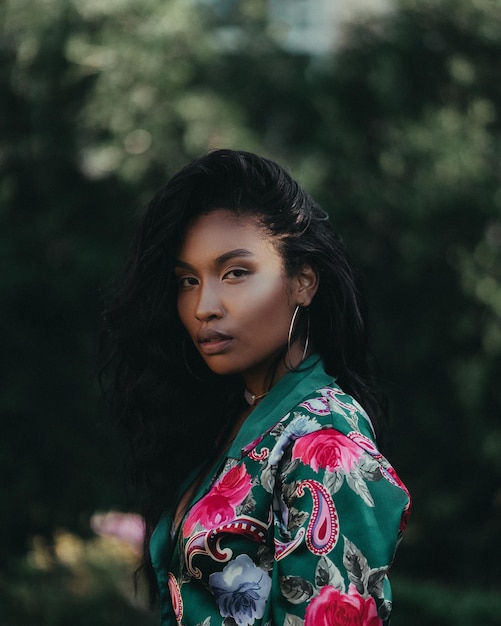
(325, 412)
(329, 430)
(330, 407)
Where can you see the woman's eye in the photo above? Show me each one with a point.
(236, 273)
(186, 281)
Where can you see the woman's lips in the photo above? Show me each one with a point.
(213, 342)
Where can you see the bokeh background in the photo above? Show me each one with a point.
(389, 113)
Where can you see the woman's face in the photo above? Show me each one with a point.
(234, 298)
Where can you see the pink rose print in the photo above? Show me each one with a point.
(234, 485)
(332, 608)
(218, 506)
(329, 449)
(211, 511)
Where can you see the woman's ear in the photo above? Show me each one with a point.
(306, 282)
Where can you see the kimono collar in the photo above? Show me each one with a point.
(282, 398)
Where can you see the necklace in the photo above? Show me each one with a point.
(251, 398)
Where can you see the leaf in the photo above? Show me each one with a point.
(229, 465)
(293, 620)
(296, 519)
(370, 469)
(384, 610)
(288, 467)
(279, 428)
(296, 589)
(289, 492)
(268, 478)
(333, 481)
(327, 573)
(356, 565)
(206, 622)
(335, 408)
(248, 505)
(229, 621)
(359, 486)
(265, 558)
(375, 580)
(350, 416)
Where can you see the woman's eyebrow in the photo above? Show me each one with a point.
(183, 264)
(223, 258)
(239, 252)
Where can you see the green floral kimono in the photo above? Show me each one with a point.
(298, 525)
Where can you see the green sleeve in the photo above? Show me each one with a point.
(339, 510)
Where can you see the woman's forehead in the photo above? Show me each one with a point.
(222, 231)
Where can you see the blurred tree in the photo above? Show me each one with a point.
(57, 237)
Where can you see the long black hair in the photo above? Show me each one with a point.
(171, 407)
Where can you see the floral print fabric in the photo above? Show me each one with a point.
(298, 528)
(220, 504)
(241, 590)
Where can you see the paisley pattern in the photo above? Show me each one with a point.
(299, 526)
(177, 601)
(284, 549)
(323, 528)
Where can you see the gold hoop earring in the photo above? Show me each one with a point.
(290, 365)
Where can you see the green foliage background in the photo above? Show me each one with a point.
(398, 135)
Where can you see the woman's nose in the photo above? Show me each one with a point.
(209, 304)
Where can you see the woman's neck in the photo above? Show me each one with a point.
(258, 384)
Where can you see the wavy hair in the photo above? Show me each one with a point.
(171, 407)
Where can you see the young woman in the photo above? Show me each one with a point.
(238, 345)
